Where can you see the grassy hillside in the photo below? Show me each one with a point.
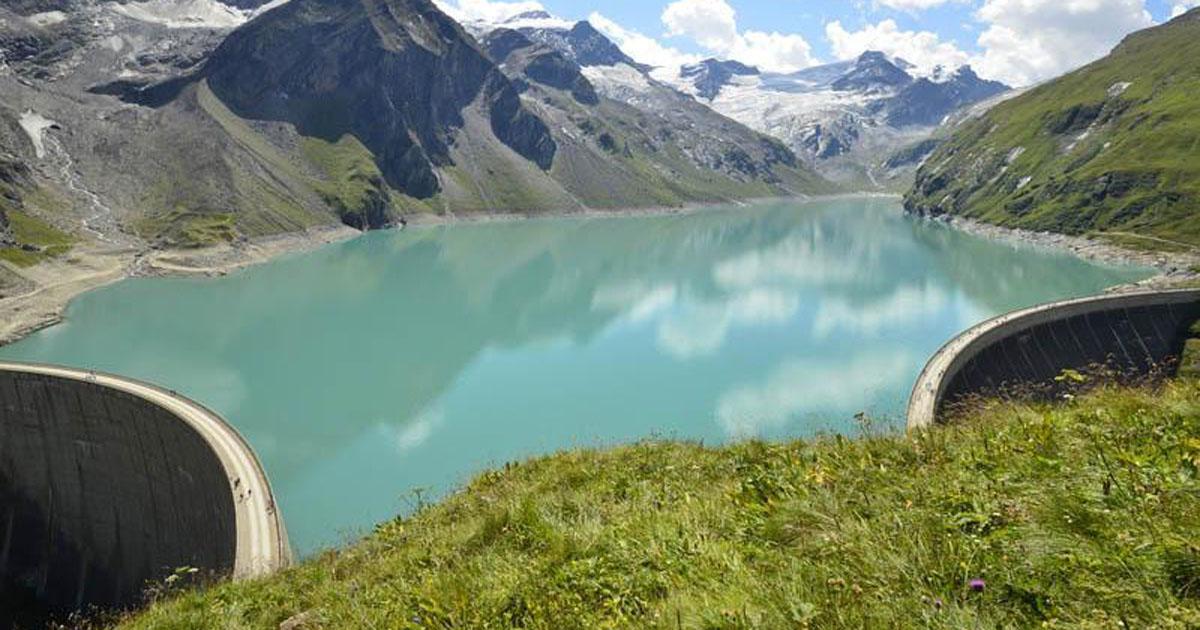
(1085, 515)
(25, 239)
(1111, 147)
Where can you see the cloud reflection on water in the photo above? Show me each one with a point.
(807, 387)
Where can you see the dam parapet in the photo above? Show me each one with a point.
(1133, 333)
(109, 484)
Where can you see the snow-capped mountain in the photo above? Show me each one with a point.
(844, 117)
(537, 50)
(710, 75)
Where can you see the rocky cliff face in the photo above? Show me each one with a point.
(582, 44)
(396, 74)
(540, 63)
(13, 175)
(926, 102)
(710, 75)
(657, 125)
(874, 72)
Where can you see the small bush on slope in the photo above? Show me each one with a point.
(1081, 515)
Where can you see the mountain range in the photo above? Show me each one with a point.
(845, 118)
(177, 123)
(158, 122)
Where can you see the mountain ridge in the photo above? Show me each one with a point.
(1107, 148)
(845, 118)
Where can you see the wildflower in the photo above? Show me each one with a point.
(977, 585)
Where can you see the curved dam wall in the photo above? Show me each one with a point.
(107, 484)
(1132, 332)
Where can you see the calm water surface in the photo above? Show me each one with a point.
(412, 360)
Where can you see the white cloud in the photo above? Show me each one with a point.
(642, 48)
(921, 48)
(773, 52)
(1027, 41)
(486, 10)
(914, 5)
(1183, 7)
(712, 24)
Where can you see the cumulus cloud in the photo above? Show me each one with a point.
(486, 10)
(1022, 41)
(642, 48)
(914, 5)
(1027, 41)
(712, 24)
(1183, 7)
(922, 48)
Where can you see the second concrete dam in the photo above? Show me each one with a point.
(1133, 333)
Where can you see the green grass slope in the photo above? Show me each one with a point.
(1111, 147)
(26, 239)
(1085, 515)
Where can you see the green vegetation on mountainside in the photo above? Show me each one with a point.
(32, 239)
(1111, 147)
(1085, 514)
(26, 239)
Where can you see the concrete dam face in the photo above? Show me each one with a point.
(108, 484)
(1133, 333)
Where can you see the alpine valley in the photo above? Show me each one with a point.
(133, 132)
(191, 122)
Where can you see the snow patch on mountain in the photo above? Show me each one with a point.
(49, 18)
(35, 126)
(191, 13)
(183, 13)
(621, 82)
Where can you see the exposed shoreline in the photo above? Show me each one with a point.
(1174, 268)
(53, 284)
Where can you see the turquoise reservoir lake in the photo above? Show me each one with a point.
(410, 361)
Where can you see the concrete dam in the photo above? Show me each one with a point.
(1133, 333)
(109, 484)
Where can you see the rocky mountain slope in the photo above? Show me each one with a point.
(1110, 148)
(653, 139)
(186, 122)
(845, 118)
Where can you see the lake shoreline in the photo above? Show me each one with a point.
(1174, 268)
(53, 284)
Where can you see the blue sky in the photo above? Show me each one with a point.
(1018, 41)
